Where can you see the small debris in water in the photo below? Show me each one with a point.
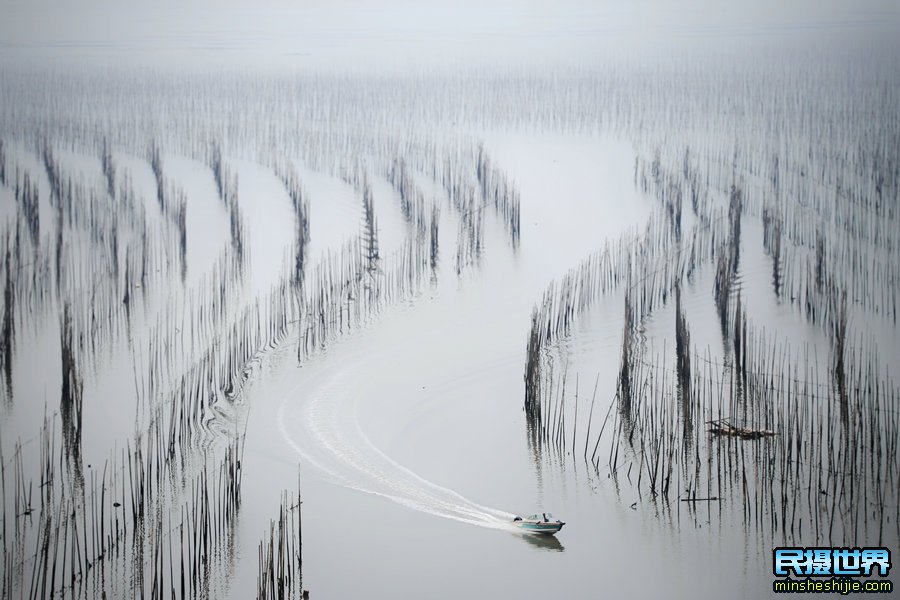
(725, 428)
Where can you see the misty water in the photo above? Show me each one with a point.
(326, 324)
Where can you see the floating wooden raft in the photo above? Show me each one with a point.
(723, 427)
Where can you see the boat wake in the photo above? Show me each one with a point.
(324, 429)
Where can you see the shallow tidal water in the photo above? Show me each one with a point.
(405, 431)
(411, 439)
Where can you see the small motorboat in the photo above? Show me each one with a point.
(539, 523)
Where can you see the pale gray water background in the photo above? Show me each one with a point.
(409, 434)
(411, 437)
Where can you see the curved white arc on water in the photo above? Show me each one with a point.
(327, 435)
(461, 500)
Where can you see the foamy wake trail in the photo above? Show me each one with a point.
(324, 430)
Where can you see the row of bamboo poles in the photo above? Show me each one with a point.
(169, 501)
(786, 443)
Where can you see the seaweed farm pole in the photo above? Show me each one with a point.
(280, 573)
(839, 337)
(575, 424)
(533, 374)
(7, 582)
(625, 374)
(603, 428)
(7, 328)
(299, 530)
(587, 435)
(683, 359)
